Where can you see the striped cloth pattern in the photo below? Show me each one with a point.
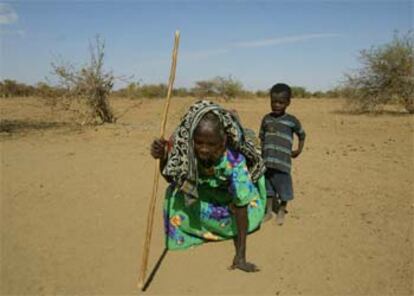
(276, 138)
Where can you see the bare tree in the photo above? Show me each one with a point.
(90, 85)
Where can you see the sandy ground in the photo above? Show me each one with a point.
(74, 203)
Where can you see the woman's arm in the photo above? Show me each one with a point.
(239, 260)
(159, 151)
(242, 189)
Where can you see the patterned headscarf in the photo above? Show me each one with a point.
(181, 166)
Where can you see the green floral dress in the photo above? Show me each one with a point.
(209, 217)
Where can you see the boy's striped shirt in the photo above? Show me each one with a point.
(276, 138)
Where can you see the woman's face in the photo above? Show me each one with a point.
(209, 145)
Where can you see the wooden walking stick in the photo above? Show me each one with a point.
(150, 217)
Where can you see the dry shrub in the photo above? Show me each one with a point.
(87, 88)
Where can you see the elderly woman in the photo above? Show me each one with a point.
(217, 189)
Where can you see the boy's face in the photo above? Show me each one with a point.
(209, 146)
(279, 102)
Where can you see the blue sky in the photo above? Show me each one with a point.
(304, 43)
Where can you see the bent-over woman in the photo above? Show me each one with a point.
(217, 189)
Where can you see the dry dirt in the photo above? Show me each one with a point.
(74, 203)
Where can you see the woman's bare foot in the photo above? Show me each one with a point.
(243, 265)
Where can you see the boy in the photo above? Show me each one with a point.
(276, 139)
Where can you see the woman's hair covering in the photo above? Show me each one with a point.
(181, 166)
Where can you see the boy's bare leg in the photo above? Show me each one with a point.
(276, 204)
(239, 260)
(280, 217)
(269, 208)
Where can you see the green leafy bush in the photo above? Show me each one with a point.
(386, 76)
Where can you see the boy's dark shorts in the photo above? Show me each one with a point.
(280, 184)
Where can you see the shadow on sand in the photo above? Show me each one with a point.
(394, 113)
(16, 126)
(154, 270)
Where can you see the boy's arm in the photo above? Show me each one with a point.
(300, 133)
(297, 152)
